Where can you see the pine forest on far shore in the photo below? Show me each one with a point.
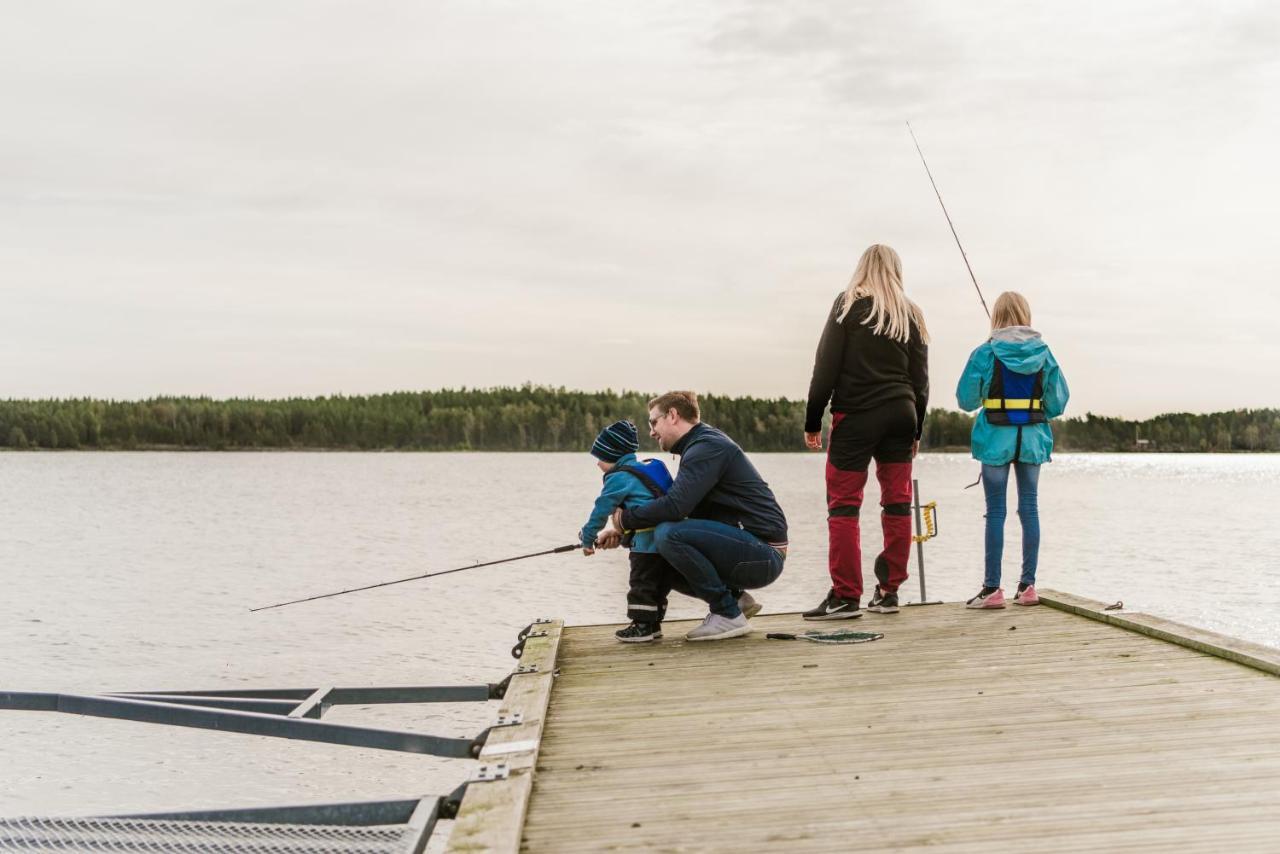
(534, 418)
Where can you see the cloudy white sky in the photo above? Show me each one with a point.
(300, 198)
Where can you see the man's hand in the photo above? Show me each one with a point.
(616, 519)
(915, 448)
(609, 539)
(813, 441)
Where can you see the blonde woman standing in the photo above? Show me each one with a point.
(1016, 382)
(872, 367)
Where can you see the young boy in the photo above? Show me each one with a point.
(629, 482)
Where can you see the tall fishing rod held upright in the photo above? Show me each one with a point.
(555, 551)
(963, 254)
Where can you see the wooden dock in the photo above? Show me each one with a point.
(1060, 728)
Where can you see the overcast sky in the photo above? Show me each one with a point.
(302, 198)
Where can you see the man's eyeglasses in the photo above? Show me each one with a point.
(653, 422)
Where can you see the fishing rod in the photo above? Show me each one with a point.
(948, 216)
(557, 550)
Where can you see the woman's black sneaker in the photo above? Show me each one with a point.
(834, 608)
(883, 603)
(639, 632)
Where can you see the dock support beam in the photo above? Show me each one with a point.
(279, 712)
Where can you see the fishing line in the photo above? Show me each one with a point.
(557, 550)
(949, 223)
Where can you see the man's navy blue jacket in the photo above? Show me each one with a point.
(716, 481)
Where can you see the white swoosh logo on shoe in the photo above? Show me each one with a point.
(831, 610)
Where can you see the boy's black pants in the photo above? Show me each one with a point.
(652, 579)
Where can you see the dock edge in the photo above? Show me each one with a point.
(1257, 656)
(491, 815)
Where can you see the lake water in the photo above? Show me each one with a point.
(136, 571)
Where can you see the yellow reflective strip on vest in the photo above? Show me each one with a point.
(1011, 403)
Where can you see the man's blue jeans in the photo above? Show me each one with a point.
(995, 483)
(714, 557)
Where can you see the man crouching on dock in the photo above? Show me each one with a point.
(719, 525)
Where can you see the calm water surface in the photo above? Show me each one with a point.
(136, 572)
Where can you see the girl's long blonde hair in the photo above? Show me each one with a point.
(879, 276)
(1011, 309)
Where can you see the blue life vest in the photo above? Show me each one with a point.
(1014, 399)
(652, 473)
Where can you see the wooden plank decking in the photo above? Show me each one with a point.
(1023, 729)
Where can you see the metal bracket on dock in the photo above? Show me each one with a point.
(528, 632)
(498, 690)
(527, 668)
(504, 720)
(541, 621)
(490, 773)
(451, 802)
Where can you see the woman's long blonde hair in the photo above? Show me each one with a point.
(879, 276)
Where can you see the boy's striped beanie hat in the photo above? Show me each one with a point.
(616, 441)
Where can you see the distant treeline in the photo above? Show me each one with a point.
(532, 418)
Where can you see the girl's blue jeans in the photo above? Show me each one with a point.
(995, 483)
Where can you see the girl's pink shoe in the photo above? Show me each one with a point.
(995, 599)
(1027, 597)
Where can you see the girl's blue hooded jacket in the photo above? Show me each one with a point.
(1022, 350)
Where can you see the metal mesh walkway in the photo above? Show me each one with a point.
(123, 834)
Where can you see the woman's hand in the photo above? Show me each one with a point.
(813, 441)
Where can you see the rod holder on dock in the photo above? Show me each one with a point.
(923, 532)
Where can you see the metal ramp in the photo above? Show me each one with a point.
(370, 826)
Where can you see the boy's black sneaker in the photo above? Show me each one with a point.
(639, 632)
(834, 608)
(883, 603)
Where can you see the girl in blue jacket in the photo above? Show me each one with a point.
(1016, 382)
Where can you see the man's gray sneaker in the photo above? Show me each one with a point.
(716, 627)
(750, 607)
